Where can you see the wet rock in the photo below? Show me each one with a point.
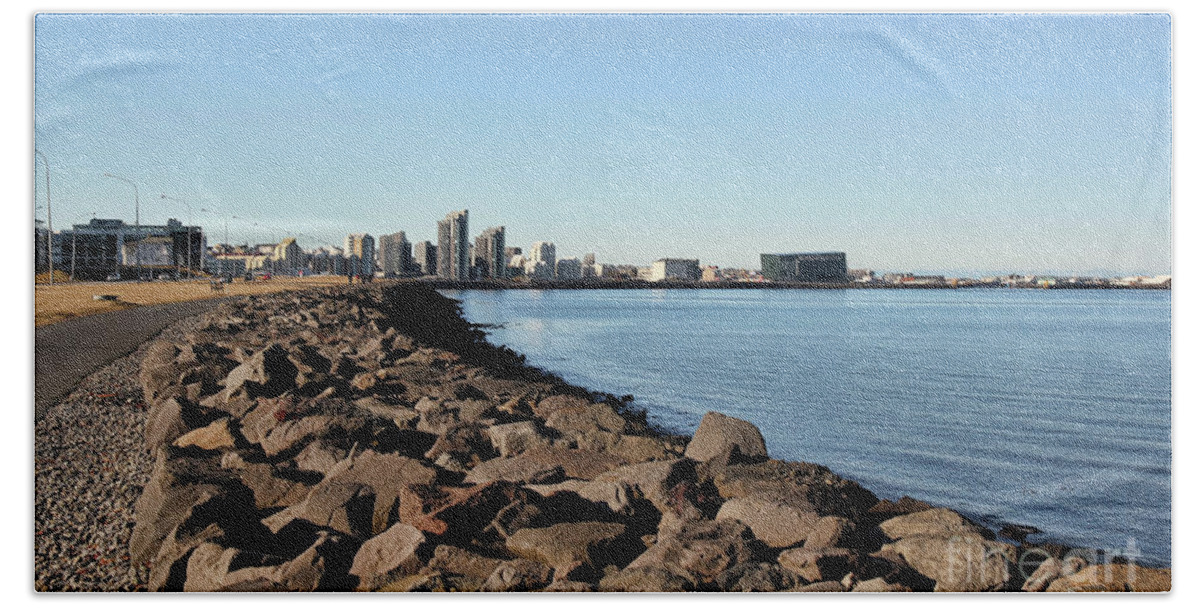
(931, 522)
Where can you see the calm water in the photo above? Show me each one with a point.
(1049, 408)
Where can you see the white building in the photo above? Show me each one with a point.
(673, 269)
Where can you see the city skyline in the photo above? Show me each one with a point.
(961, 144)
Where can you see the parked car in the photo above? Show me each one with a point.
(113, 277)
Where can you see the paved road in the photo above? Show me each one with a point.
(66, 352)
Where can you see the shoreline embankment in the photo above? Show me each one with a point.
(370, 438)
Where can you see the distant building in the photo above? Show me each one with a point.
(360, 255)
(98, 248)
(509, 252)
(327, 261)
(805, 267)
(710, 274)
(567, 269)
(395, 255)
(287, 257)
(674, 269)
(453, 247)
(542, 251)
(535, 269)
(861, 275)
(489, 251)
(425, 258)
(589, 259)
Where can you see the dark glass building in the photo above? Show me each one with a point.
(805, 267)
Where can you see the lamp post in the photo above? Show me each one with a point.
(137, 223)
(189, 231)
(49, 223)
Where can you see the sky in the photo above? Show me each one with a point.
(957, 144)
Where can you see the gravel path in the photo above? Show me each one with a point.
(90, 466)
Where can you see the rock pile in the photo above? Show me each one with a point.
(371, 439)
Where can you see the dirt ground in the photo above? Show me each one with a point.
(60, 301)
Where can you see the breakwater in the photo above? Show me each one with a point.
(370, 439)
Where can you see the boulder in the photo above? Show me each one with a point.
(215, 436)
(383, 557)
(448, 558)
(553, 403)
(635, 449)
(269, 489)
(795, 483)
(878, 585)
(164, 423)
(645, 579)
(773, 521)
(963, 562)
(291, 434)
(584, 419)
(931, 522)
(345, 507)
(1115, 577)
(516, 437)
(821, 587)
(701, 550)
(519, 575)
(757, 577)
(387, 476)
(814, 565)
(1046, 572)
(830, 531)
(720, 434)
(589, 546)
(518, 469)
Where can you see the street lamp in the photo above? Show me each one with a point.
(189, 231)
(49, 224)
(137, 222)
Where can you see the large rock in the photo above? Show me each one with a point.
(387, 476)
(795, 483)
(519, 575)
(516, 437)
(645, 579)
(931, 522)
(1115, 577)
(701, 550)
(720, 435)
(215, 436)
(962, 562)
(544, 408)
(540, 466)
(773, 521)
(757, 577)
(587, 546)
(584, 419)
(814, 565)
(388, 555)
(448, 558)
(164, 423)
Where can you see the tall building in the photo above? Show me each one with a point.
(425, 258)
(360, 255)
(805, 267)
(542, 251)
(589, 259)
(567, 269)
(395, 255)
(453, 248)
(489, 250)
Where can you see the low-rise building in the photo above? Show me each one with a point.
(674, 269)
(805, 267)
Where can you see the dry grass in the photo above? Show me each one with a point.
(61, 301)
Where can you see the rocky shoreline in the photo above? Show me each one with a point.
(369, 438)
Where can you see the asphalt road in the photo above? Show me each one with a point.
(66, 352)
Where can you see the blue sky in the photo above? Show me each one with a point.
(936, 143)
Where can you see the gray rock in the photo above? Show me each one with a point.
(964, 562)
(773, 521)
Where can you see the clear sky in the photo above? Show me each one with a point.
(964, 144)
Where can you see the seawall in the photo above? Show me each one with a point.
(369, 438)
